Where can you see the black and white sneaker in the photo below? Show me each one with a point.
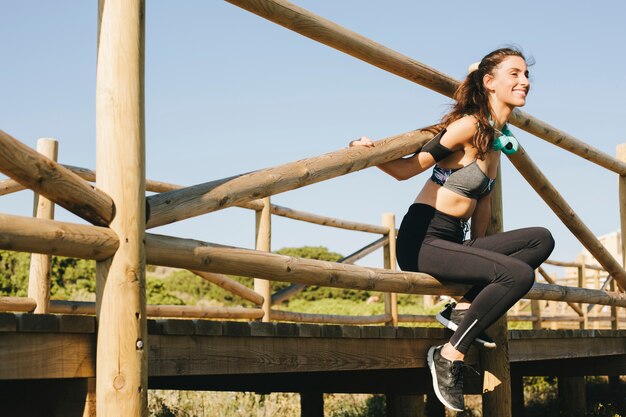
(447, 379)
(451, 319)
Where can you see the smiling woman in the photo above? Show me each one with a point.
(432, 234)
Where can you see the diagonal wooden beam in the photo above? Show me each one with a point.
(53, 181)
(338, 37)
(570, 219)
(204, 198)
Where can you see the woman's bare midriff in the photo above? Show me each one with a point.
(446, 201)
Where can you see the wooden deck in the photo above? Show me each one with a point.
(269, 357)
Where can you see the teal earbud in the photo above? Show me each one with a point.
(506, 142)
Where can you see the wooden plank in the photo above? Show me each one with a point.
(8, 322)
(38, 323)
(47, 355)
(193, 355)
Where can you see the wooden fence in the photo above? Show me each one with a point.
(120, 212)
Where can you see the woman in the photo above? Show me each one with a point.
(465, 154)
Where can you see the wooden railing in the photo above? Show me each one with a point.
(101, 244)
(115, 238)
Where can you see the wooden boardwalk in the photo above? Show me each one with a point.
(272, 357)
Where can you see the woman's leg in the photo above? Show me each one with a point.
(503, 281)
(531, 245)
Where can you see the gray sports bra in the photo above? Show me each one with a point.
(469, 181)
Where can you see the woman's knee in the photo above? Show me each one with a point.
(545, 238)
(518, 276)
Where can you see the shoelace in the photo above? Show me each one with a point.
(457, 371)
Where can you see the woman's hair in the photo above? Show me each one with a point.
(471, 98)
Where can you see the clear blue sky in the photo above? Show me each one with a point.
(228, 92)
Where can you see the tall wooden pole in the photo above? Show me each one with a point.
(39, 275)
(391, 298)
(621, 155)
(497, 379)
(263, 242)
(122, 366)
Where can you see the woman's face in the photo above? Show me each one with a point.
(509, 83)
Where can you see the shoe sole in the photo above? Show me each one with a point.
(433, 372)
(452, 326)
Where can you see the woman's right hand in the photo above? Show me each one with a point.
(362, 141)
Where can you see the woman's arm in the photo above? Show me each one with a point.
(457, 135)
(481, 216)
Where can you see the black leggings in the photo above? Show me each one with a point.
(499, 267)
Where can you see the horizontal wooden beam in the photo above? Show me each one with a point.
(331, 34)
(549, 280)
(327, 221)
(204, 198)
(192, 254)
(53, 181)
(27, 234)
(23, 304)
(282, 315)
(153, 310)
(573, 265)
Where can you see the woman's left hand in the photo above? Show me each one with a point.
(362, 141)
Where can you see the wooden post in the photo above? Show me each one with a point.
(517, 394)
(122, 347)
(621, 155)
(614, 312)
(582, 281)
(263, 242)
(311, 404)
(535, 310)
(389, 250)
(39, 275)
(572, 398)
(497, 378)
(399, 405)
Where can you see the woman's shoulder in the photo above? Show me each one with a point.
(466, 123)
(462, 130)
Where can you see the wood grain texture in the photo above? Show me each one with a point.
(204, 198)
(122, 366)
(25, 234)
(40, 264)
(50, 179)
(46, 355)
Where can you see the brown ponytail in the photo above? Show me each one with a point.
(471, 99)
